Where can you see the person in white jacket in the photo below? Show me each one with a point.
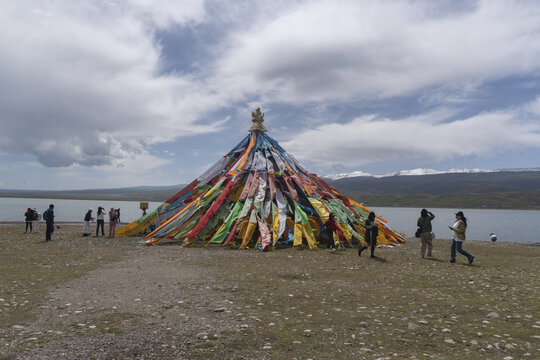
(100, 221)
(459, 237)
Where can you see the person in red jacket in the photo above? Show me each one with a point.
(332, 227)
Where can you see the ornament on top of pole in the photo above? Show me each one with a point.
(257, 119)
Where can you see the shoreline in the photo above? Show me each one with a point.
(161, 199)
(80, 223)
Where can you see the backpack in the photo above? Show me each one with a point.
(45, 214)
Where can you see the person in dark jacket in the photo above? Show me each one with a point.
(426, 238)
(29, 217)
(372, 231)
(332, 227)
(48, 216)
(87, 218)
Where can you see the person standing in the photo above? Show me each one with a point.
(48, 216)
(459, 228)
(86, 227)
(35, 220)
(426, 238)
(372, 231)
(100, 221)
(29, 217)
(112, 222)
(332, 227)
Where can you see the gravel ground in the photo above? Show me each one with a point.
(116, 299)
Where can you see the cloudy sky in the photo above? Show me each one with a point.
(103, 93)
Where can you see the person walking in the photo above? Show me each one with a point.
(48, 216)
(332, 227)
(426, 238)
(112, 222)
(459, 228)
(29, 217)
(100, 221)
(87, 218)
(372, 231)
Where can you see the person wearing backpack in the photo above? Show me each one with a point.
(48, 216)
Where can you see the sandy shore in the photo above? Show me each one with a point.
(101, 298)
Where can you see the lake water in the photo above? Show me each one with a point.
(13, 209)
(509, 225)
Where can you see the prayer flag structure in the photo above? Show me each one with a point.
(257, 195)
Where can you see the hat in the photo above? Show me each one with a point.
(459, 213)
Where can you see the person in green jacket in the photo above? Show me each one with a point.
(459, 228)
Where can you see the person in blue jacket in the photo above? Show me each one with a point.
(48, 216)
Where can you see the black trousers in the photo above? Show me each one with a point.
(28, 224)
(373, 244)
(50, 229)
(102, 224)
(331, 243)
(371, 240)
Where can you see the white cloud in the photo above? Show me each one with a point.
(369, 139)
(132, 171)
(534, 107)
(327, 50)
(81, 83)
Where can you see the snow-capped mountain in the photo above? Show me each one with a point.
(416, 172)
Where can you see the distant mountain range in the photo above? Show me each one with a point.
(138, 193)
(416, 172)
(454, 188)
(472, 188)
